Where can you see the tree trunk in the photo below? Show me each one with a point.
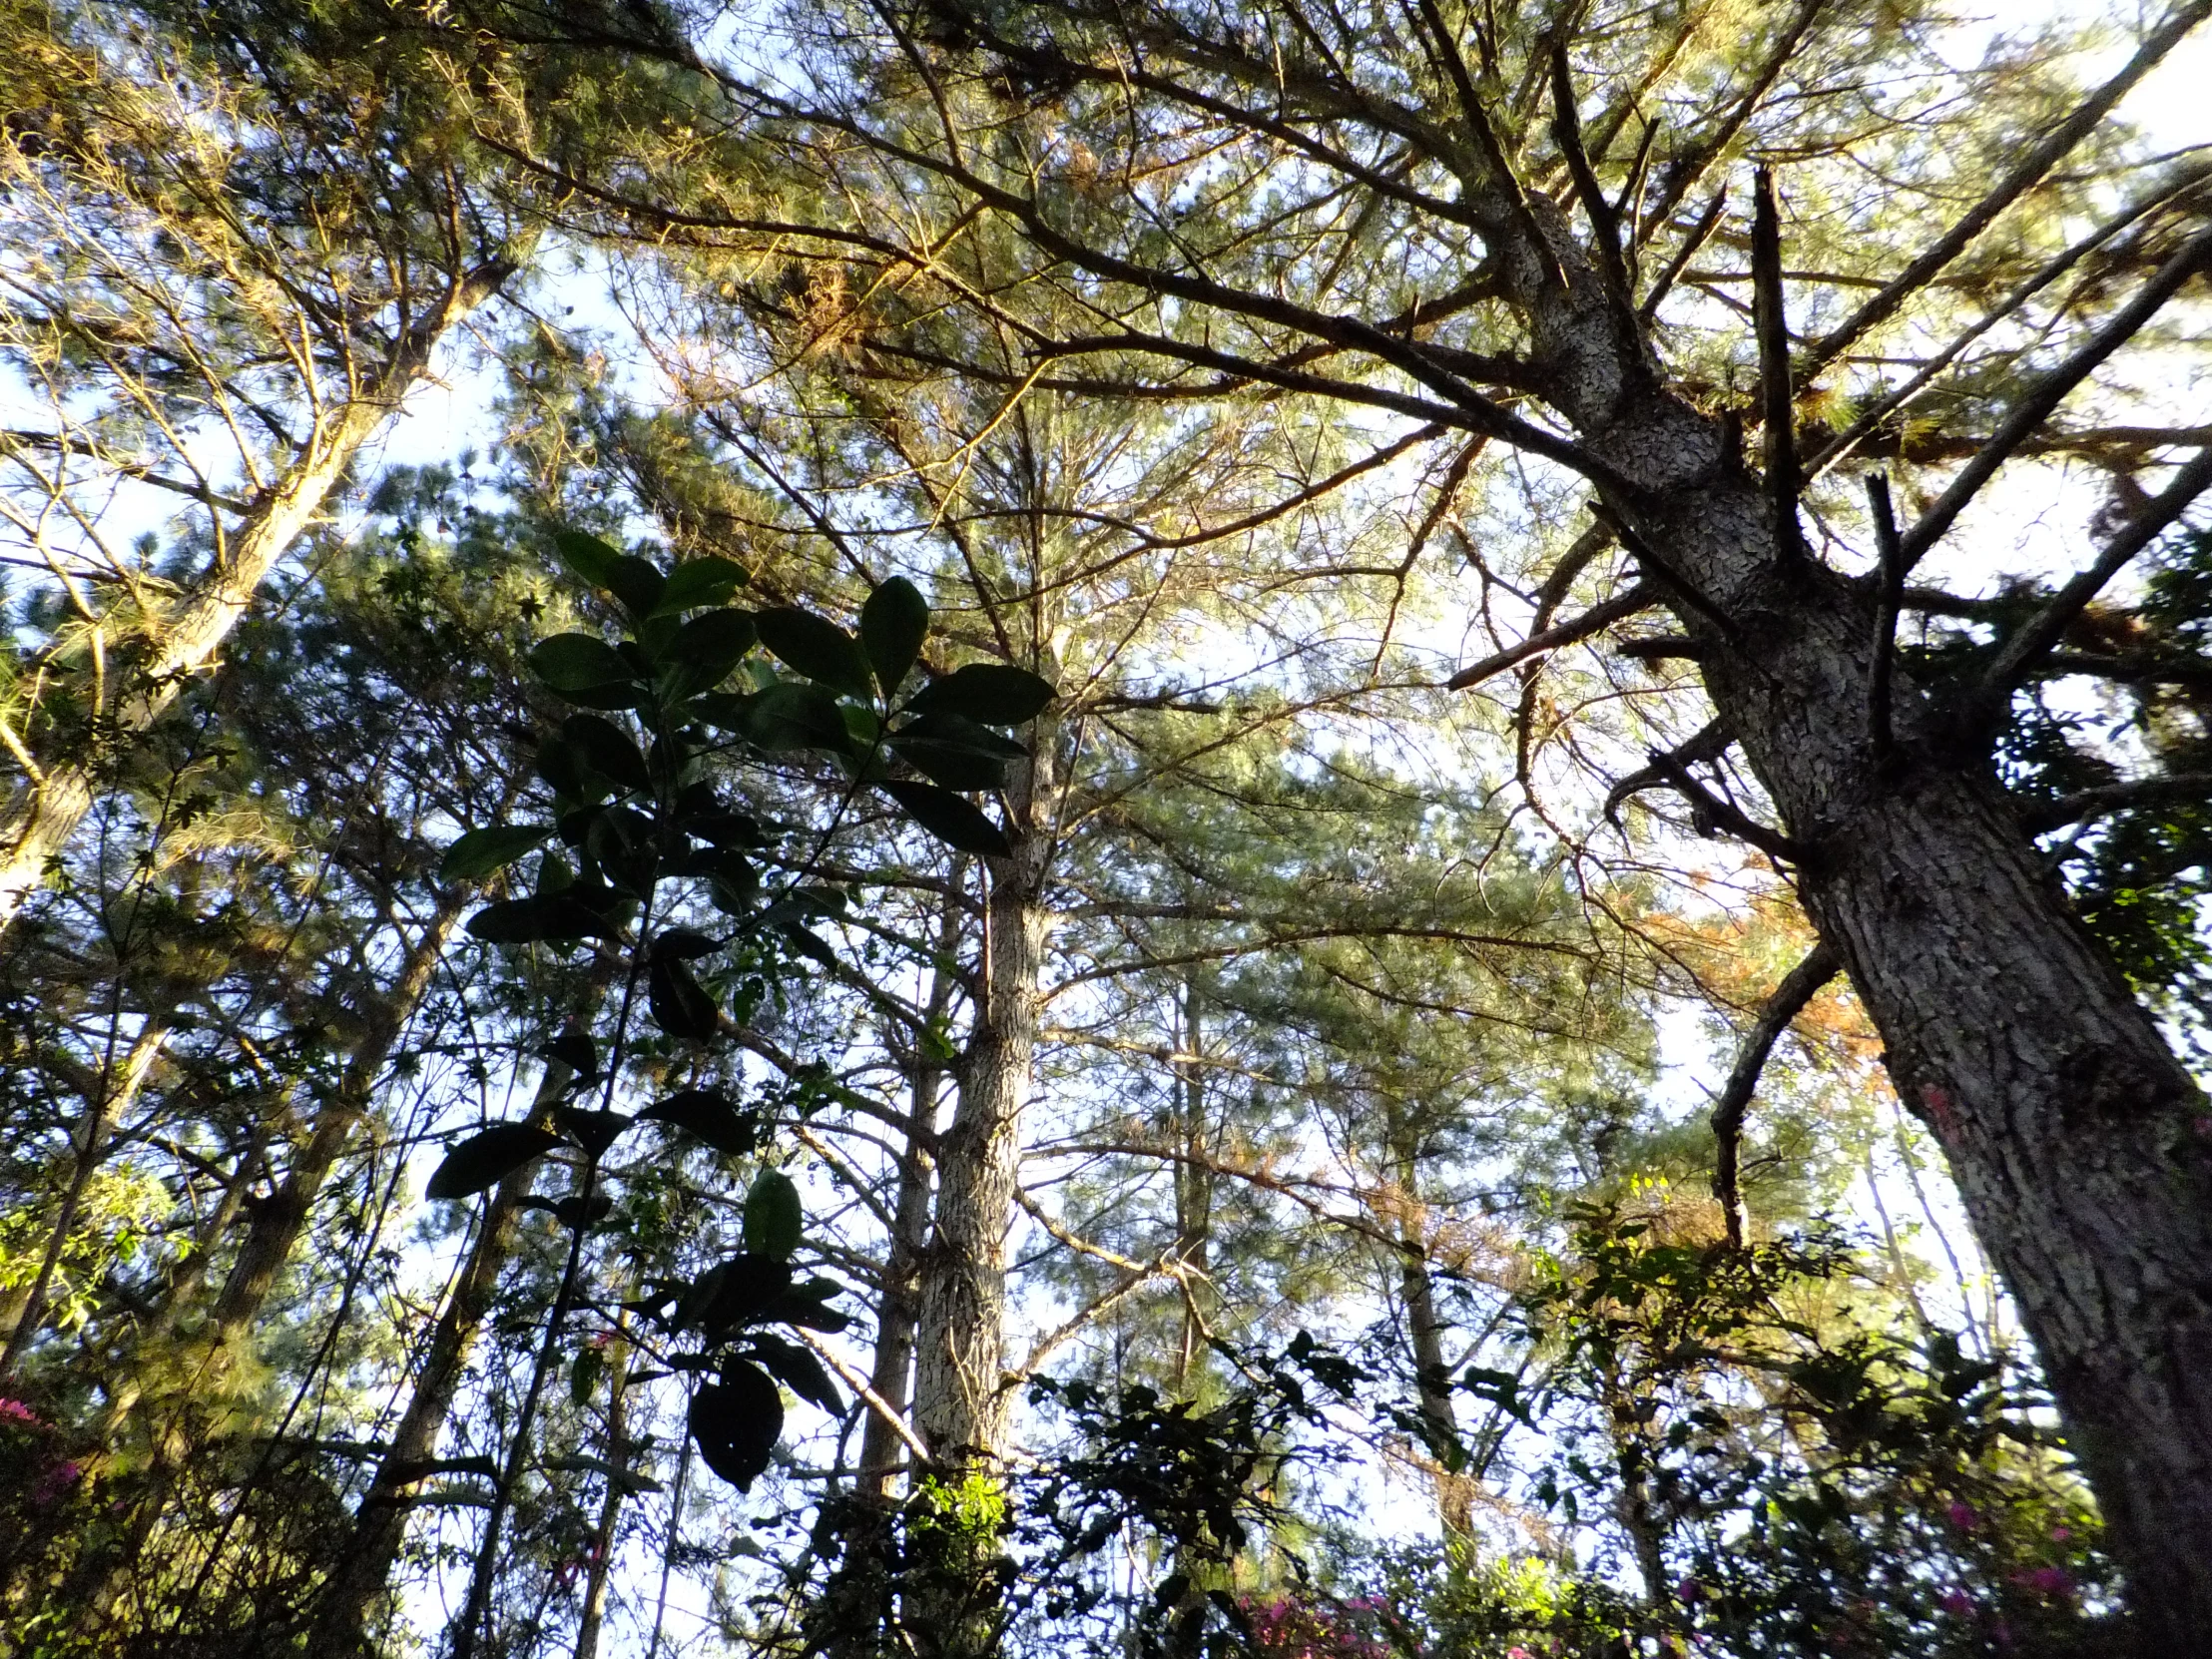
(960, 1407)
(36, 826)
(112, 1096)
(600, 1569)
(343, 1623)
(2076, 1139)
(1424, 1332)
(277, 1223)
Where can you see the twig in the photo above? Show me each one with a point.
(1595, 620)
(1725, 816)
(1787, 1001)
(1710, 744)
(2042, 631)
(1701, 232)
(1772, 325)
(1889, 593)
(1605, 229)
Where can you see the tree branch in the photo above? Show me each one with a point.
(2177, 789)
(1725, 816)
(1881, 740)
(1778, 406)
(1789, 1001)
(1596, 618)
(2042, 631)
(2051, 388)
(1710, 744)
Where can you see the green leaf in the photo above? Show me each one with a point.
(588, 556)
(820, 650)
(629, 1481)
(637, 583)
(893, 622)
(703, 651)
(579, 663)
(736, 1422)
(575, 1051)
(583, 1378)
(956, 821)
(494, 847)
(593, 1130)
(772, 1219)
(709, 1116)
(697, 582)
(790, 715)
(997, 694)
(951, 765)
(798, 1369)
(679, 1003)
(557, 918)
(487, 1158)
(607, 749)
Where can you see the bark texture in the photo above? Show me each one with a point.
(2070, 1128)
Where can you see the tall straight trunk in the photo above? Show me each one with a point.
(1424, 1332)
(36, 826)
(112, 1092)
(361, 1577)
(1194, 1180)
(960, 1406)
(2074, 1135)
(600, 1570)
(276, 1226)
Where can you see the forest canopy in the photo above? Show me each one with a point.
(950, 828)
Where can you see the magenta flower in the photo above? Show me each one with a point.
(2049, 1581)
(1957, 1603)
(14, 1411)
(1964, 1515)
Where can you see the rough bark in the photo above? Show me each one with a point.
(2070, 1128)
(960, 1404)
(36, 826)
(1424, 1332)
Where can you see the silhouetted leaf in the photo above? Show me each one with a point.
(736, 1422)
(773, 1218)
(798, 1369)
(588, 556)
(710, 1115)
(593, 1130)
(997, 694)
(893, 622)
(703, 651)
(679, 1003)
(607, 749)
(487, 1158)
(790, 715)
(557, 918)
(637, 583)
(697, 582)
(956, 821)
(576, 1051)
(818, 649)
(494, 847)
(573, 663)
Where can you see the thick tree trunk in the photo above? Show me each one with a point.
(2076, 1138)
(961, 1407)
(1424, 1335)
(36, 826)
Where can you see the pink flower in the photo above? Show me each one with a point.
(14, 1411)
(1518, 1653)
(2059, 1534)
(53, 1483)
(2049, 1581)
(1964, 1515)
(1957, 1603)
(1689, 1592)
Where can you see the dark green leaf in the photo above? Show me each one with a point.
(576, 1051)
(594, 1131)
(997, 694)
(685, 944)
(798, 1369)
(637, 583)
(736, 1422)
(487, 1158)
(951, 765)
(558, 917)
(772, 1219)
(607, 749)
(956, 821)
(737, 1293)
(790, 715)
(572, 663)
(807, 1305)
(820, 650)
(697, 582)
(711, 1116)
(704, 652)
(679, 1003)
(893, 622)
(807, 942)
(588, 556)
(957, 730)
(494, 847)
(725, 828)
(564, 771)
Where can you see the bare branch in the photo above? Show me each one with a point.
(2046, 393)
(1709, 744)
(2025, 175)
(1596, 618)
(1778, 407)
(1725, 816)
(1890, 587)
(2174, 789)
(1787, 1001)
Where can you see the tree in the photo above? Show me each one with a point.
(1487, 223)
